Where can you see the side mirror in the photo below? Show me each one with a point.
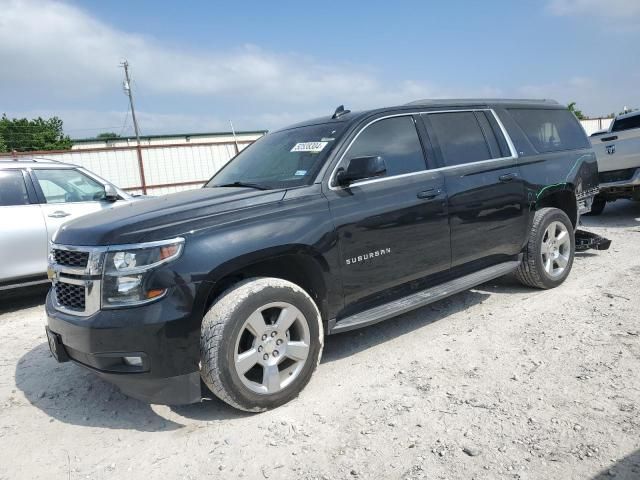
(110, 193)
(360, 168)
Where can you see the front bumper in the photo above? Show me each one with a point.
(162, 334)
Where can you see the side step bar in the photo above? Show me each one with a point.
(420, 299)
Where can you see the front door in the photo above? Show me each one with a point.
(23, 234)
(67, 194)
(488, 211)
(391, 229)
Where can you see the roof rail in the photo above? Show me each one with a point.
(468, 101)
(34, 159)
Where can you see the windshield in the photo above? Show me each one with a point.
(288, 158)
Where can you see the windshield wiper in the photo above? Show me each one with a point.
(243, 184)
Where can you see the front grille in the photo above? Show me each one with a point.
(70, 258)
(617, 175)
(70, 296)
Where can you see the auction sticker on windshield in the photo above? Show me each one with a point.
(309, 146)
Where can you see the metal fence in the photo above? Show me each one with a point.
(152, 169)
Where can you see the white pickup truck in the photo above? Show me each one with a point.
(618, 152)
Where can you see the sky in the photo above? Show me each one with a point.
(196, 65)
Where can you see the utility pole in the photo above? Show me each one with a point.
(235, 140)
(127, 90)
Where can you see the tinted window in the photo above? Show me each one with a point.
(502, 141)
(551, 130)
(68, 186)
(287, 158)
(626, 123)
(489, 135)
(13, 191)
(460, 137)
(396, 141)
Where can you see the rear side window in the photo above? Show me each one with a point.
(396, 141)
(626, 123)
(550, 130)
(13, 191)
(460, 137)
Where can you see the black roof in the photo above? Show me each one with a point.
(434, 103)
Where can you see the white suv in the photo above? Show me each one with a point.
(36, 198)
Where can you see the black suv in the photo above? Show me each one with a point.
(326, 226)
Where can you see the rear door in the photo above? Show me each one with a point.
(391, 229)
(23, 233)
(67, 193)
(620, 149)
(486, 194)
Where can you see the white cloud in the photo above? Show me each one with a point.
(58, 59)
(77, 55)
(57, 54)
(621, 9)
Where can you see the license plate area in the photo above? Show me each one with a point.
(56, 347)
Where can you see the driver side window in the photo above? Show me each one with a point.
(394, 139)
(68, 186)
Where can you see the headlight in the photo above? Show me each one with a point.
(126, 271)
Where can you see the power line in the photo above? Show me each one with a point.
(42, 127)
(125, 121)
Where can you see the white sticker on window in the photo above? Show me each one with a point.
(309, 147)
(300, 173)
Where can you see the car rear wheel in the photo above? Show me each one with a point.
(597, 207)
(260, 343)
(548, 256)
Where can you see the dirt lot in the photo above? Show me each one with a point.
(498, 382)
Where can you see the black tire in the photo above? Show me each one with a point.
(531, 271)
(224, 326)
(597, 207)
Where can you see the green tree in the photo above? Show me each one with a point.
(578, 113)
(107, 135)
(24, 135)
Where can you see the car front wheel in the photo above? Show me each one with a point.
(260, 343)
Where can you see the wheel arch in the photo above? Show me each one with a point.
(561, 197)
(298, 264)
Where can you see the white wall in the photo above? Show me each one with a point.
(162, 165)
(592, 125)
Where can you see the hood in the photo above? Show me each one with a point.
(157, 218)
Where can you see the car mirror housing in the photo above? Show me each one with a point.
(360, 168)
(110, 193)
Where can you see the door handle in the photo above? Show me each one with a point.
(59, 214)
(429, 194)
(507, 177)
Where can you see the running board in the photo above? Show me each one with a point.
(422, 298)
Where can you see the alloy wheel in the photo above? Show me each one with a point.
(272, 348)
(555, 249)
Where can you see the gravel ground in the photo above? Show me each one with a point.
(498, 382)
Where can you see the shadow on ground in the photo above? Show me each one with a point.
(626, 469)
(618, 214)
(20, 298)
(345, 344)
(71, 394)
